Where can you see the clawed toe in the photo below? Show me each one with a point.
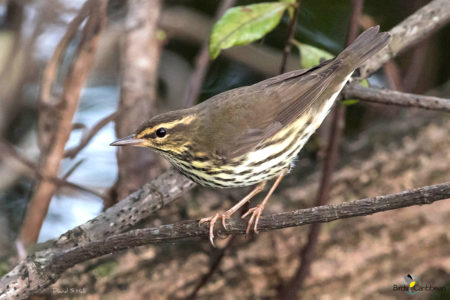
(212, 221)
(254, 219)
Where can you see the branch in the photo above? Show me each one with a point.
(291, 34)
(40, 270)
(382, 96)
(410, 32)
(320, 214)
(56, 119)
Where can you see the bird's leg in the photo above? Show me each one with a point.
(227, 214)
(257, 210)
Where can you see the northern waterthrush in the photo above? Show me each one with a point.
(249, 135)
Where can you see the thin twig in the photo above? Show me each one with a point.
(291, 30)
(87, 137)
(381, 96)
(36, 173)
(73, 168)
(51, 69)
(40, 270)
(261, 58)
(306, 255)
(213, 268)
(195, 83)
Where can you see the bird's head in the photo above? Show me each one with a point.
(167, 133)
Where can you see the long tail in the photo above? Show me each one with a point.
(363, 47)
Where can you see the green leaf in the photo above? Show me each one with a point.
(310, 55)
(349, 102)
(364, 83)
(288, 1)
(242, 25)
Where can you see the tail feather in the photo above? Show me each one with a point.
(364, 46)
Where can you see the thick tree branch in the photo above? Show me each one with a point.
(138, 88)
(138, 206)
(41, 269)
(410, 32)
(396, 98)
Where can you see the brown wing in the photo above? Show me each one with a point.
(242, 118)
(299, 93)
(238, 120)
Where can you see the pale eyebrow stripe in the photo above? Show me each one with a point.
(169, 125)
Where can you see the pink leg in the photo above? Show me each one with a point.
(226, 215)
(257, 210)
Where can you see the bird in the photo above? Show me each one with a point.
(249, 135)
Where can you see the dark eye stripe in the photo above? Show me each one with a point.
(177, 128)
(149, 136)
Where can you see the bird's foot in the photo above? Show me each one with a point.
(256, 214)
(212, 220)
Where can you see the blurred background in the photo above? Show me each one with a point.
(385, 149)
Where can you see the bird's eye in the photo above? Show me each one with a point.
(161, 132)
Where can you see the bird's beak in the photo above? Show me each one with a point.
(130, 140)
